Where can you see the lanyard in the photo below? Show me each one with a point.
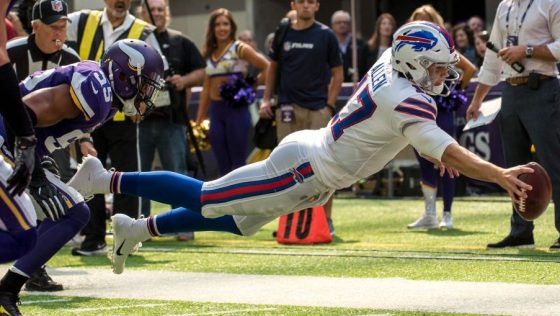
(522, 18)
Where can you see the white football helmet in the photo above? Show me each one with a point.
(417, 46)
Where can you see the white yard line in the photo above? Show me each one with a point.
(92, 309)
(232, 311)
(26, 302)
(388, 293)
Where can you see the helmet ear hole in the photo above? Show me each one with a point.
(122, 76)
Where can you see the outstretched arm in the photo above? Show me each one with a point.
(52, 105)
(473, 166)
(433, 142)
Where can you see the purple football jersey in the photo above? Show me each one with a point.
(91, 92)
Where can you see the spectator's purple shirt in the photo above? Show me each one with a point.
(91, 92)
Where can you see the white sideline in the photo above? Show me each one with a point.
(389, 293)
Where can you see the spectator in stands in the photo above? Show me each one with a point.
(227, 61)
(530, 109)
(380, 40)
(307, 90)
(446, 121)
(464, 41)
(341, 26)
(476, 24)
(480, 40)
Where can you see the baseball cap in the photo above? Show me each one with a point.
(50, 11)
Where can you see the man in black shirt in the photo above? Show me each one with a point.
(165, 128)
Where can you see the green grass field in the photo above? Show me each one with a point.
(373, 242)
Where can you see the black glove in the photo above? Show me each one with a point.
(47, 195)
(48, 163)
(24, 150)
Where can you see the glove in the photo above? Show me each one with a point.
(49, 164)
(47, 196)
(24, 150)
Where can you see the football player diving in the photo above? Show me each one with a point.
(391, 108)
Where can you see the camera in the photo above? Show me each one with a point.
(168, 73)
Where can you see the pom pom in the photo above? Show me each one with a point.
(238, 91)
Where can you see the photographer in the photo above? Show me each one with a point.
(165, 128)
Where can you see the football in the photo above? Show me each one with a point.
(537, 199)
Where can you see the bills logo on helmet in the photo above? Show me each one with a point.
(419, 40)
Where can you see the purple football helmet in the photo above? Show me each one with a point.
(135, 71)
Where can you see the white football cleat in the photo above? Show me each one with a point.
(424, 222)
(128, 234)
(446, 221)
(91, 178)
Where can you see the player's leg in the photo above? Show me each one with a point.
(52, 236)
(446, 120)
(163, 186)
(17, 220)
(429, 189)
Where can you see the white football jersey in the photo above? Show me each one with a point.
(385, 113)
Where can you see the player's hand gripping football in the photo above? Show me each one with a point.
(509, 180)
(47, 196)
(24, 150)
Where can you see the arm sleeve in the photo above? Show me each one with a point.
(90, 95)
(492, 66)
(12, 108)
(427, 138)
(554, 27)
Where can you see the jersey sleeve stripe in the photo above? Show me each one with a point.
(415, 112)
(421, 104)
(78, 104)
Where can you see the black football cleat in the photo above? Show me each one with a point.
(514, 242)
(41, 281)
(8, 304)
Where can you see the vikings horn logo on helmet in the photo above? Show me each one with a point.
(136, 60)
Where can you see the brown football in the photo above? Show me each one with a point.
(537, 199)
